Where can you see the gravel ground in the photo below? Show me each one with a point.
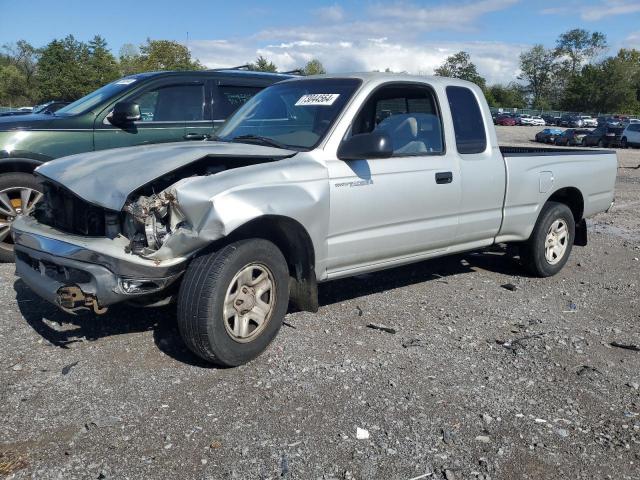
(479, 381)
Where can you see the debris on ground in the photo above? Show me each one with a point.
(626, 346)
(362, 434)
(573, 308)
(413, 342)
(585, 369)
(360, 312)
(67, 369)
(215, 445)
(518, 343)
(382, 328)
(510, 286)
(11, 462)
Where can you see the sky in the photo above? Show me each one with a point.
(413, 36)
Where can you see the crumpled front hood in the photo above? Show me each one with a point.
(106, 178)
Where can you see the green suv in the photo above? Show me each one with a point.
(136, 110)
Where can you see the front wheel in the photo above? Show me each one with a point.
(19, 193)
(232, 302)
(550, 244)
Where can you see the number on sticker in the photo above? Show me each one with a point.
(325, 99)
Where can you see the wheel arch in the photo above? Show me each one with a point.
(19, 165)
(572, 197)
(296, 245)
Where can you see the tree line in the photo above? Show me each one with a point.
(67, 69)
(570, 76)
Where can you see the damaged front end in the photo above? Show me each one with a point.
(151, 220)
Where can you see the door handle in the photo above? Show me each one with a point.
(196, 136)
(444, 177)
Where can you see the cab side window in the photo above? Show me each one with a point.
(172, 103)
(410, 116)
(468, 123)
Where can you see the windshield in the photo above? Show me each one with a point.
(89, 101)
(294, 114)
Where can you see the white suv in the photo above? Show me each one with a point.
(631, 136)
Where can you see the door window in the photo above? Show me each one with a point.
(172, 103)
(409, 115)
(467, 118)
(229, 98)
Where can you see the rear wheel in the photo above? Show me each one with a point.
(550, 244)
(19, 193)
(232, 302)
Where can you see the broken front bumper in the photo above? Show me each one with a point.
(76, 273)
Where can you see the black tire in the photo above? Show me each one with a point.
(532, 252)
(624, 143)
(8, 182)
(202, 294)
(601, 143)
(584, 142)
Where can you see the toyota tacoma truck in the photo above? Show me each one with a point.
(313, 179)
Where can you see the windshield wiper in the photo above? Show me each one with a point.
(270, 142)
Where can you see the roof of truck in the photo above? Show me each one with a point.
(382, 77)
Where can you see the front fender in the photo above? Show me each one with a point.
(217, 205)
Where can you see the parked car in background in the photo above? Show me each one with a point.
(631, 135)
(302, 185)
(136, 110)
(571, 137)
(564, 120)
(610, 120)
(538, 121)
(548, 135)
(48, 107)
(588, 121)
(550, 120)
(523, 119)
(603, 137)
(506, 121)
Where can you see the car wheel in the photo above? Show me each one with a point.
(232, 302)
(550, 244)
(19, 192)
(600, 143)
(583, 142)
(623, 143)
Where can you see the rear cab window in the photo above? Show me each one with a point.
(468, 123)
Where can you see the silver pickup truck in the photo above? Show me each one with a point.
(311, 180)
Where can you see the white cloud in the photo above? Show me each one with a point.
(497, 61)
(608, 8)
(387, 36)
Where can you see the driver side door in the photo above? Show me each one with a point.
(394, 209)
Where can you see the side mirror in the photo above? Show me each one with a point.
(366, 146)
(125, 112)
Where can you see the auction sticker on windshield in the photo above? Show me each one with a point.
(325, 99)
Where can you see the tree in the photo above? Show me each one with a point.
(579, 46)
(165, 55)
(460, 66)
(61, 73)
(509, 96)
(13, 86)
(538, 67)
(612, 85)
(263, 65)
(101, 64)
(129, 59)
(314, 67)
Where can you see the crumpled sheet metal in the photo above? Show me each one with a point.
(216, 205)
